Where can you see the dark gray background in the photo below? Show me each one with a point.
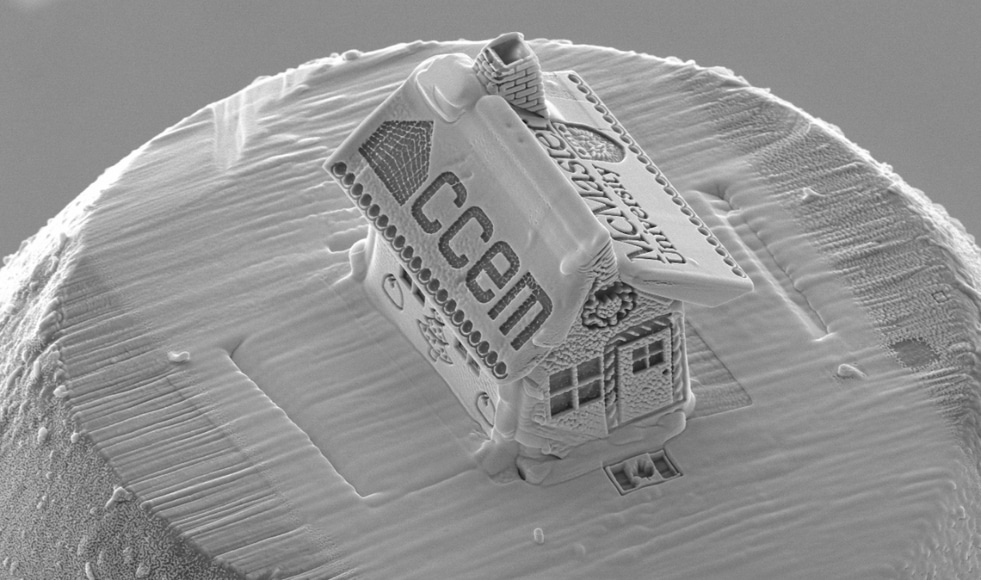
(83, 82)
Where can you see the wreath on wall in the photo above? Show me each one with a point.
(608, 306)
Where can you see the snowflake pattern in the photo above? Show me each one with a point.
(431, 328)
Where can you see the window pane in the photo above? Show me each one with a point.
(590, 392)
(561, 403)
(666, 470)
(560, 380)
(640, 353)
(640, 365)
(656, 359)
(589, 370)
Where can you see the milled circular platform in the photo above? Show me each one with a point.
(241, 388)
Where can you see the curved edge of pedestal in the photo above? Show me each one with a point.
(67, 513)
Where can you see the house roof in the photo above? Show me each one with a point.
(507, 217)
(661, 245)
(466, 198)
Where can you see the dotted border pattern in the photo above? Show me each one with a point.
(413, 263)
(658, 176)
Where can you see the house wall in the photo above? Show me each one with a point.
(546, 420)
(397, 294)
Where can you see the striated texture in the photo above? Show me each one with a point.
(203, 331)
(64, 513)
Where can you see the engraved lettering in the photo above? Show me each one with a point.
(485, 265)
(556, 147)
(431, 226)
(604, 192)
(457, 257)
(575, 168)
(472, 213)
(538, 296)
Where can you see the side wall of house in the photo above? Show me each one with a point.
(624, 361)
(397, 294)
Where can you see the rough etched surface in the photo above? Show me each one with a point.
(399, 151)
(915, 282)
(65, 514)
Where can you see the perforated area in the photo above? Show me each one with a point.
(398, 152)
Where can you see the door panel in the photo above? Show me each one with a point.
(644, 381)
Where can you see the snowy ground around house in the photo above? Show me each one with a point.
(241, 387)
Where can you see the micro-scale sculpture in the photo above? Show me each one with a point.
(220, 361)
(532, 252)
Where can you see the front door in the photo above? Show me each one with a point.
(644, 379)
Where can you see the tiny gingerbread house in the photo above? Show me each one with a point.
(531, 252)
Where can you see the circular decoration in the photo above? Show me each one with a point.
(391, 288)
(608, 305)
